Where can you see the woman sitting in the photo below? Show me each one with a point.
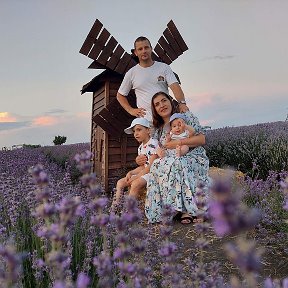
(173, 180)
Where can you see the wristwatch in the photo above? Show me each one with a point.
(182, 102)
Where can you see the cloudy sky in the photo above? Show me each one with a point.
(234, 73)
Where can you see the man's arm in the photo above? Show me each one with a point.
(179, 95)
(137, 112)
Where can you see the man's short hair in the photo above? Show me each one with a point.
(142, 38)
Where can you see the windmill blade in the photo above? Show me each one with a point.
(105, 50)
(171, 45)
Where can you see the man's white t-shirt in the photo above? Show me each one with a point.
(147, 81)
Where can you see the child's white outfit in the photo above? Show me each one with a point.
(148, 149)
(183, 135)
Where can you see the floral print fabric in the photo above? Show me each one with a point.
(173, 180)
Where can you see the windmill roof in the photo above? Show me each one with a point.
(97, 81)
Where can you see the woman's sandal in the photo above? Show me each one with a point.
(198, 220)
(177, 216)
(187, 219)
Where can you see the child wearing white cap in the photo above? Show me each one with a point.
(137, 178)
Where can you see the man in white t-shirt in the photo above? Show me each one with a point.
(147, 78)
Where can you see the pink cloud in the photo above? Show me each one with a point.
(45, 121)
(83, 114)
(7, 117)
(202, 100)
(207, 122)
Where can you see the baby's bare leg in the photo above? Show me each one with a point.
(181, 150)
(184, 150)
(178, 150)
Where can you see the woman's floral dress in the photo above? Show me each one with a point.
(173, 180)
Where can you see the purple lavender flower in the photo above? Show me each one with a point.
(245, 255)
(284, 186)
(84, 162)
(104, 264)
(67, 208)
(45, 210)
(228, 216)
(39, 176)
(100, 220)
(99, 203)
(127, 268)
(82, 280)
(121, 253)
(13, 263)
(167, 250)
(59, 284)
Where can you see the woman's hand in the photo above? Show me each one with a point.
(172, 144)
(161, 152)
(141, 160)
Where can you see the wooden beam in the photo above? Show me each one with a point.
(115, 57)
(123, 121)
(167, 48)
(92, 35)
(96, 65)
(161, 53)
(177, 36)
(131, 64)
(156, 57)
(105, 114)
(123, 63)
(107, 51)
(105, 125)
(99, 44)
(172, 42)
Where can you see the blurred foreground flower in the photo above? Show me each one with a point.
(13, 262)
(228, 214)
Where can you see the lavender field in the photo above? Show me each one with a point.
(56, 229)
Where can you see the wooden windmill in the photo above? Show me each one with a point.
(112, 149)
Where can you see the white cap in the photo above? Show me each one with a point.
(176, 116)
(137, 121)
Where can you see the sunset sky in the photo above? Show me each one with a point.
(234, 73)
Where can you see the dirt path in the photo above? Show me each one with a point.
(274, 260)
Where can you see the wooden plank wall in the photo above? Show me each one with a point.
(121, 158)
(112, 155)
(97, 133)
(121, 151)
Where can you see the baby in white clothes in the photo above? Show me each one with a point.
(180, 130)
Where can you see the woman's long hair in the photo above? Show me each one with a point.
(157, 119)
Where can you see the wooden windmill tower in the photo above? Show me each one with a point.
(112, 149)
